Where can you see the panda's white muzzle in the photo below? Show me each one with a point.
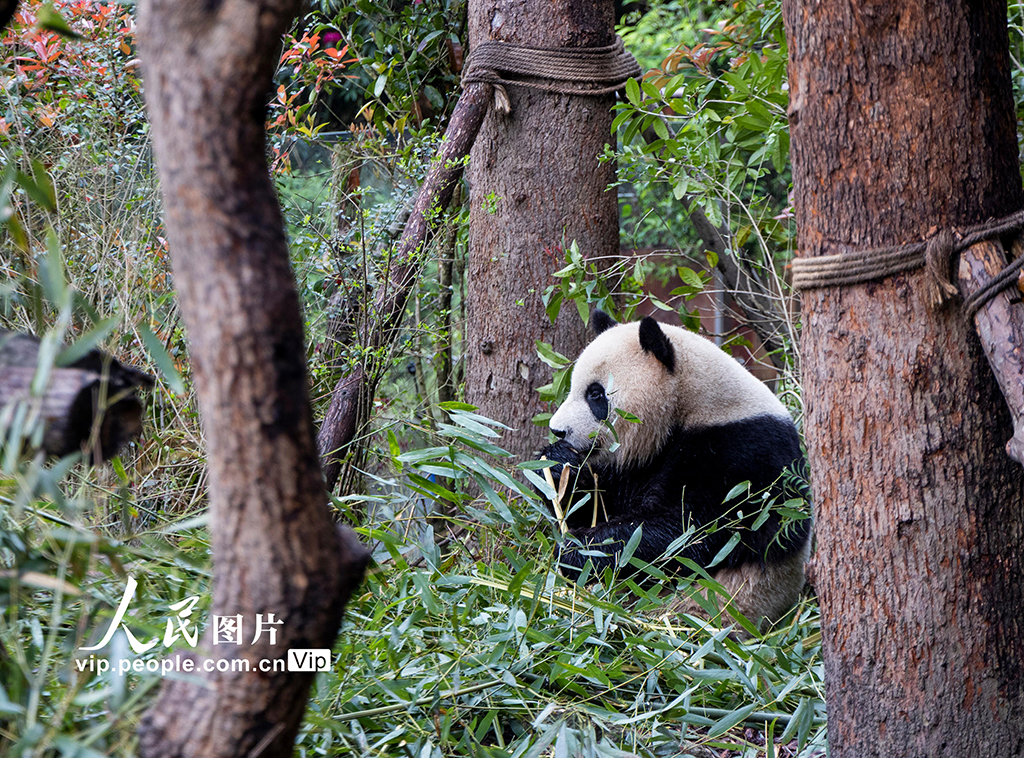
(574, 423)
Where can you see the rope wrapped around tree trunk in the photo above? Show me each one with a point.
(566, 71)
(936, 253)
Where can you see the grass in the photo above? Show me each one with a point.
(463, 640)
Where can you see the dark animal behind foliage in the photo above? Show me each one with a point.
(707, 424)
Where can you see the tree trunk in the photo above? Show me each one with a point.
(7, 9)
(902, 122)
(276, 549)
(535, 186)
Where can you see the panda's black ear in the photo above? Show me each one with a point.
(601, 321)
(653, 340)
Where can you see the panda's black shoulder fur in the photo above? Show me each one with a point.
(699, 466)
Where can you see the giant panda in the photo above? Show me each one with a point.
(706, 424)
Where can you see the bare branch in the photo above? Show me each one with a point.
(340, 424)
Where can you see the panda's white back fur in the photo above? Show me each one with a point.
(707, 388)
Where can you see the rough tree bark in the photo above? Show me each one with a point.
(902, 122)
(535, 184)
(276, 549)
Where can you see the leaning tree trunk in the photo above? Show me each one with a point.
(276, 549)
(903, 122)
(536, 185)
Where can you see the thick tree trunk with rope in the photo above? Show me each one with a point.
(535, 186)
(276, 548)
(903, 122)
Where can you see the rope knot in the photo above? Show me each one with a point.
(937, 254)
(938, 258)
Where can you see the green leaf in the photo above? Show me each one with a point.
(619, 119)
(455, 405)
(118, 466)
(554, 306)
(536, 465)
(722, 554)
(163, 361)
(87, 342)
(467, 418)
(690, 277)
(727, 722)
(627, 416)
(780, 155)
(423, 454)
(472, 422)
(40, 191)
(740, 489)
(550, 356)
(540, 483)
(761, 518)
(758, 111)
(796, 722)
(519, 578)
(17, 231)
(434, 97)
(633, 91)
(48, 19)
(51, 274)
(738, 84)
(631, 546)
(680, 187)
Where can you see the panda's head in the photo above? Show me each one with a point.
(648, 379)
(628, 371)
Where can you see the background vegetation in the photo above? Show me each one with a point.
(464, 640)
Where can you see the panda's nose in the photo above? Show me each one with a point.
(560, 433)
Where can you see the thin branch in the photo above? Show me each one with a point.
(433, 199)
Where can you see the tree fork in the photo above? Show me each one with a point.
(902, 122)
(276, 547)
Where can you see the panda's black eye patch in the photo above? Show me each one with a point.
(597, 401)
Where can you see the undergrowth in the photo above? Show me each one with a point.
(463, 640)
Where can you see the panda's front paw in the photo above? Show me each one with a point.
(563, 454)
